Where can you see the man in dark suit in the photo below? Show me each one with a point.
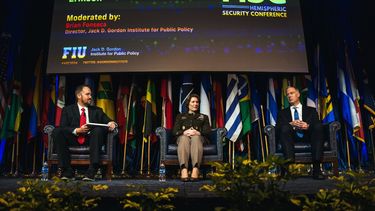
(73, 131)
(300, 123)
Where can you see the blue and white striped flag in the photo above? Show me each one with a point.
(233, 121)
(205, 95)
(312, 96)
(347, 104)
(187, 88)
(271, 103)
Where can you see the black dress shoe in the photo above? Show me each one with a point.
(318, 176)
(67, 174)
(90, 175)
(284, 172)
(185, 179)
(193, 179)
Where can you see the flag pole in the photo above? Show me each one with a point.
(148, 155)
(265, 136)
(260, 133)
(359, 156)
(33, 173)
(126, 131)
(12, 162)
(17, 153)
(43, 153)
(261, 141)
(124, 157)
(229, 152)
(373, 147)
(142, 155)
(347, 147)
(248, 147)
(233, 143)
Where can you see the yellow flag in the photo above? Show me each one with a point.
(105, 96)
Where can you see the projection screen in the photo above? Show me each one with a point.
(180, 35)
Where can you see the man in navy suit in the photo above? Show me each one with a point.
(300, 123)
(73, 131)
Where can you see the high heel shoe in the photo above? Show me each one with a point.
(194, 174)
(184, 175)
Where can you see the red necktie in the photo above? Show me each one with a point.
(82, 121)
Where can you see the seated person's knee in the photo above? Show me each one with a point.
(286, 129)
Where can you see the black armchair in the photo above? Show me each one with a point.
(303, 150)
(211, 152)
(80, 154)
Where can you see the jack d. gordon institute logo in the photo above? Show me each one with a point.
(255, 8)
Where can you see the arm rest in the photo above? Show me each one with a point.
(161, 132)
(333, 128)
(48, 129)
(216, 137)
(110, 145)
(271, 134)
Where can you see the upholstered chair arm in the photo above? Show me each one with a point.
(48, 129)
(162, 134)
(333, 128)
(110, 146)
(271, 134)
(220, 135)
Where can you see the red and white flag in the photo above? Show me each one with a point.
(167, 106)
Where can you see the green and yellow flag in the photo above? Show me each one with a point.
(16, 107)
(12, 118)
(105, 96)
(284, 99)
(244, 95)
(150, 111)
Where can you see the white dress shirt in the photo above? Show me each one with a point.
(299, 110)
(86, 113)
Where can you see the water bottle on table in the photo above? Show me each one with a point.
(162, 172)
(44, 172)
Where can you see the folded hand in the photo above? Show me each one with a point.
(299, 124)
(82, 130)
(191, 132)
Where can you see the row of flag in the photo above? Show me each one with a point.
(242, 102)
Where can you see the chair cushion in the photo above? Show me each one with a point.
(84, 150)
(303, 146)
(79, 149)
(208, 149)
(300, 146)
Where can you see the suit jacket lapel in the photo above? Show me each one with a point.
(91, 114)
(289, 114)
(304, 113)
(76, 113)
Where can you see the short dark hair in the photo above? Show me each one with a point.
(292, 87)
(80, 88)
(189, 98)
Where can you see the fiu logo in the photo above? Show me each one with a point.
(254, 1)
(74, 52)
